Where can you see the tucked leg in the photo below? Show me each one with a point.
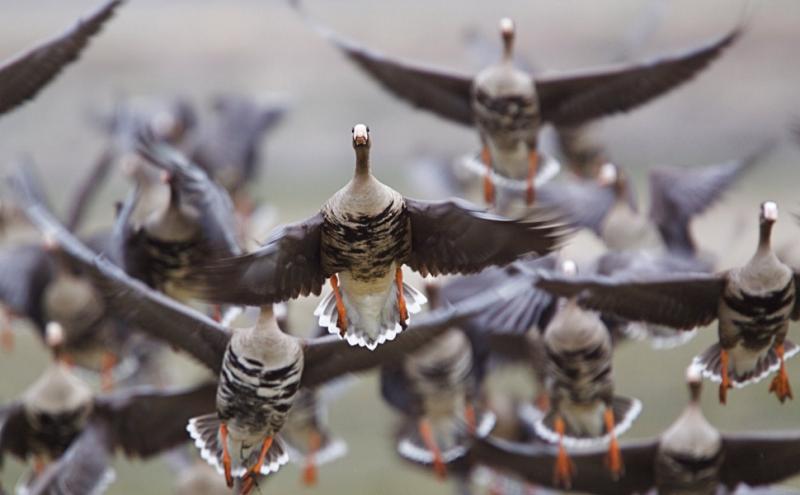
(469, 417)
(340, 309)
(488, 184)
(780, 384)
(564, 469)
(430, 442)
(310, 471)
(107, 363)
(226, 455)
(401, 299)
(614, 459)
(533, 165)
(726, 381)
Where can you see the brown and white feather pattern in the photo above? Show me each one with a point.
(366, 235)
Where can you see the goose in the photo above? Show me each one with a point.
(359, 242)
(195, 225)
(72, 434)
(753, 304)
(260, 368)
(26, 73)
(690, 457)
(508, 105)
(228, 148)
(607, 204)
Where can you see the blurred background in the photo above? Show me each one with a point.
(196, 48)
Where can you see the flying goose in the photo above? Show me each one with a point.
(228, 148)
(607, 205)
(753, 304)
(26, 73)
(195, 226)
(73, 434)
(359, 242)
(690, 457)
(508, 105)
(260, 368)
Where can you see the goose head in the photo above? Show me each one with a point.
(507, 32)
(361, 144)
(767, 218)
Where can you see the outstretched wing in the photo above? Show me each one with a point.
(24, 75)
(288, 266)
(571, 99)
(327, 358)
(149, 310)
(454, 236)
(447, 94)
(760, 458)
(682, 301)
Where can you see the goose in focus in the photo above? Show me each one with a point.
(508, 105)
(690, 457)
(25, 74)
(359, 242)
(607, 205)
(72, 434)
(260, 368)
(753, 304)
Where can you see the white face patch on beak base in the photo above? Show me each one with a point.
(506, 26)
(608, 174)
(360, 134)
(568, 267)
(54, 334)
(770, 211)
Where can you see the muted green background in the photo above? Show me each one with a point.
(198, 47)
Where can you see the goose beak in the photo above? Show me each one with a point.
(769, 211)
(608, 174)
(507, 28)
(360, 135)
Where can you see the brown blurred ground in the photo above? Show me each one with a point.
(192, 47)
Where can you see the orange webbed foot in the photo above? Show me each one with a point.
(226, 456)
(533, 165)
(310, 470)
(780, 384)
(430, 442)
(488, 184)
(401, 299)
(341, 311)
(564, 468)
(614, 459)
(726, 382)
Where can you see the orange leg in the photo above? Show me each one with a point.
(39, 464)
(726, 381)
(255, 470)
(107, 363)
(430, 442)
(340, 309)
(542, 401)
(614, 460)
(310, 471)
(226, 456)
(564, 468)
(401, 299)
(533, 165)
(469, 417)
(488, 185)
(6, 331)
(780, 384)
(216, 313)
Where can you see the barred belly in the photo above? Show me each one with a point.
(582, 376)
(364, 245)
(756, 318)
(683, 475)
(254, 400)
(170, 260)
(508, 119)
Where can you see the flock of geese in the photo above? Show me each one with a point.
(174, 274)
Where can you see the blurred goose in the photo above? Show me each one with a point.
(436, 389)
(25, 74)
(58, 421)
(690, 457)
(260, 368)
(508, 105)
(359, 242)
(195, 226)
(607, 205)
(228, 149)
(753, 304)
(584, 410)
